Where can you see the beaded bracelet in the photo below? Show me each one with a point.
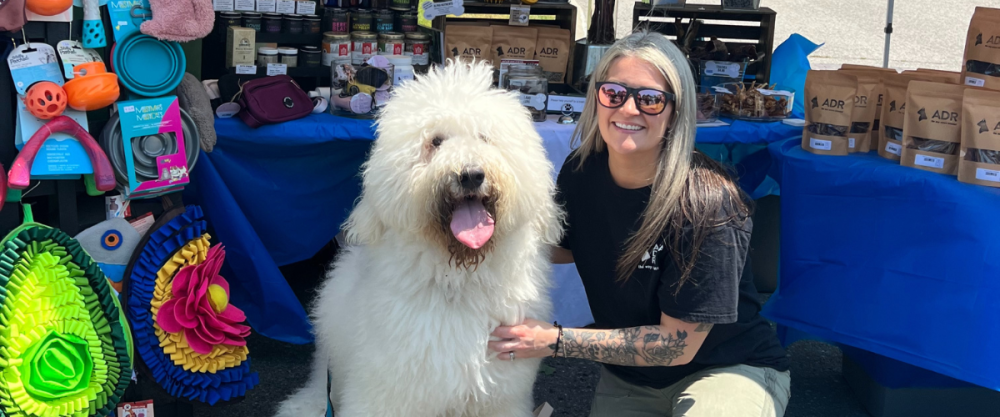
(558, 339)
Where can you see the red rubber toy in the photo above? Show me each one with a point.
(20, 172)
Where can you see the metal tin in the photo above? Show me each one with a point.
(361, 21)
(336, 48)
(364, 46)
(252, 20)
(406, 22)
(384, 21)
(292, 24)
(312, 24)
(417, 45)
(289, 56)
(267, 55)
(272, 23)
(336, 20)
(391, 43)
(310, 56)
(401, 5)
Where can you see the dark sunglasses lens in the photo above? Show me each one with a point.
(652, 101)
(611, 95)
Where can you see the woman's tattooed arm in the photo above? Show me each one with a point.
(636, 346)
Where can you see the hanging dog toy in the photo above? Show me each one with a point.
(45, 100)
(20, 171)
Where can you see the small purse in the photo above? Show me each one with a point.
(272, 100)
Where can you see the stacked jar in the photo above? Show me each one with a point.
(533, 86)
(336, 48)
(417, 45)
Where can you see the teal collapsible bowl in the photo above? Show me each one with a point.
(147, 66)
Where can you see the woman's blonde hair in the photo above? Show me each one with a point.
(689, 189)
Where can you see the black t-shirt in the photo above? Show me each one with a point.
(720, 290)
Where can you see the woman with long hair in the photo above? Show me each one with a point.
(659, 233)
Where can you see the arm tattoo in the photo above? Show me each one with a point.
(635, 346)
(703, 327)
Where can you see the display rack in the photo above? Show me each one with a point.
(733, 27)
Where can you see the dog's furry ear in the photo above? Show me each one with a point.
(363, 227)
(550, 222)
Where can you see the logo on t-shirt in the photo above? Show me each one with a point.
(648, 260)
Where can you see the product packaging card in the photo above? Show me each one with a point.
(61, 156)
(72, 53)
(159, 117)
(127, 16)
(29, 65)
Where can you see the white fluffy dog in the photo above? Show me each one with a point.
(452, 227)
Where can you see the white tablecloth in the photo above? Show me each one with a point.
(568, 296)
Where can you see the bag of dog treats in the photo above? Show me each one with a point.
(829, 101)
(552, 52)
(512, 42)
(945, 76)
(982, 50)
(979, 160)
(880, 89)
(932, 129)
(466, 43)
(890, 133)
(859, 137)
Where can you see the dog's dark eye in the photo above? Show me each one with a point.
(437, 141)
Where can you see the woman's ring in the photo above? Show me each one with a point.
(512, 355)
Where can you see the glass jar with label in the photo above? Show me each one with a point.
(406, 22)
(416, 45)
(289, 56)
(365, 45)
(336, 48)
(361, 20)
(384, 21)
(529, 80)
(267, 55)
(252, 20)
(312, 24)
(292, 24)
(391, 43)
(336, 20)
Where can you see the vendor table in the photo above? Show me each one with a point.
(277, 194)
(891, 260)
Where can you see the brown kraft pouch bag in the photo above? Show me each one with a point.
(552, 52)
(829, 103)
(982, 50)
(512, 42)
(466, 43)
(979, 161)
(890, 133)
(936, 75)
(932, 129)
(858, 139)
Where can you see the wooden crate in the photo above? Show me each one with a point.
(561, 14)
(734, 27)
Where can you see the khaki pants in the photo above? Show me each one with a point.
(731, 391)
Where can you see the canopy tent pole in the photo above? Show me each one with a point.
(888, 33)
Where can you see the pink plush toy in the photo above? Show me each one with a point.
(179, 20)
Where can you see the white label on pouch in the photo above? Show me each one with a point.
(222, 5)
(305, 7)
(929, 161)
(731, 70)
(265, 6)
(245, 5)
(975, 82)
(823, 145)
(850, 143)
(277, 69)
(285, 7)
(246, 69)
(893, 148)
(984, 174)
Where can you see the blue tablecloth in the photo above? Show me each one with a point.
(277, 194)
(890, 259)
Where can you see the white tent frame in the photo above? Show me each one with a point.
(888, 33)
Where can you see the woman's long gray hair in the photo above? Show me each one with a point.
(688, 188)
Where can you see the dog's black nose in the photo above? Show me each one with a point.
(472, 178)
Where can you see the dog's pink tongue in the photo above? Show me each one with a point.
(471, 224)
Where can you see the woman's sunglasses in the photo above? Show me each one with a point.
(647, 100)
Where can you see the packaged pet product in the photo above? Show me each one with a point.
(979, 161)
(829, 106)
(890, 133)
(552, 51)
(932, 126)
(468, 42)
(859, 137)
(880, 88)
(943, 76)
(512, 42)
(146, 122)
(982, 50)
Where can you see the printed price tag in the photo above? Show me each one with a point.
(715, 68)
(929, 161)
(245, 5)
(820, 144)
(975, 82)
(277, 69)
(519, 15)
(285, 6)
(246, 69)
(984, 174)
(222, 5)
(305, 7)
(265, 6)
(850, 143)
(894, 148)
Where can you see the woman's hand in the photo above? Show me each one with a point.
(530, 339)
